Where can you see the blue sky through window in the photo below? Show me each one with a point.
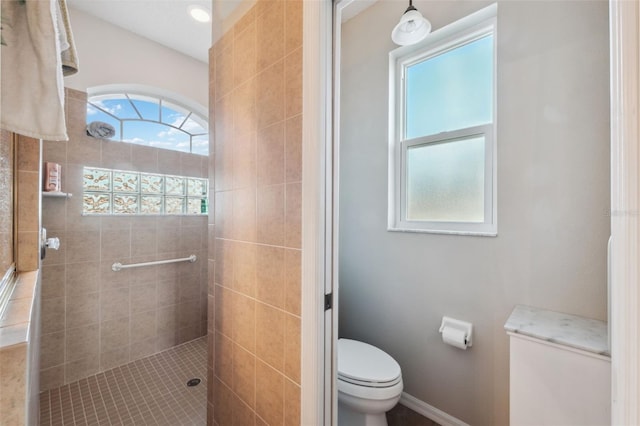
(450, 91)
(186, 135)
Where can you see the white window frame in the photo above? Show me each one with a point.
(463, 31)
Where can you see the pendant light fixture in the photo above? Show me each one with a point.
(412, 28)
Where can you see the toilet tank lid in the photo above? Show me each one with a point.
(363, 362)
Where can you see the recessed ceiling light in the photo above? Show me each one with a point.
(199, 13)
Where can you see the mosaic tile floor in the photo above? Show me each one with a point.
(149, 391)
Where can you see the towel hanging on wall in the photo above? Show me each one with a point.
(32, 98)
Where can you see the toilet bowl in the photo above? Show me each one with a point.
(369, 384)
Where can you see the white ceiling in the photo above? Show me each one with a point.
(164, 21)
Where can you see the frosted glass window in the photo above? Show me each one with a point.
(442, 130)
(445, 181)
(450, 91)
(121, 192)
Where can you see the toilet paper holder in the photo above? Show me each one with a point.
(459, 326)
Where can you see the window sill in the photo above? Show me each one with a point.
(16, 319)
(438, 231)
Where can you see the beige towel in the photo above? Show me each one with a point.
(69, 55)
(31, 85)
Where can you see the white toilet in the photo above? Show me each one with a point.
(369, 384)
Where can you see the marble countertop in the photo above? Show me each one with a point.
(563, 329)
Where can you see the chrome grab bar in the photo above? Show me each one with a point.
(119, 266)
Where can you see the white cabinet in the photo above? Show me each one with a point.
(552, 384)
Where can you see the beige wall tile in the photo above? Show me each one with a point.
(293, 216)
(293, 25)
(271, 143)
(244, 160)
(271, 215)
(191, 165)
(244, 107)
(244, 214)
(81, 309)
(168, 293)
(293, 277)
(270, 95)
(293, 149)
(168, 162)
(244, 261)
(270, 334)
(28, 200)
(242, 413)
(112, 358)
(245, 54)
(53, 280)
(83, 246)
(53, 315)
(116, 155)
(224, 72)
(51, 378)
(223, 402)
(143, 241)
(114, 333)
(269, 394)
(189, 313)
(54, 151)
(54, 213)
(244, 317)
(28, 251)
(189, 287)
(84, 150)
(143, 297)
(244, 375)
(142, 348)
(52, 348)
(143, 326)
(292, 406)
(270, 26)
(13, 384)
(144, 159)
(82, 278)
(82, 343)
(224, 214)
(293, 83)
(115, 244)
(270, 275)
(292, 340)
(224, 359)
(81, 368)
(224, 268)
(114, 304)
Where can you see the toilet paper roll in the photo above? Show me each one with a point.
(454, 337)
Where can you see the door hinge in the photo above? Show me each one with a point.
(328, 301)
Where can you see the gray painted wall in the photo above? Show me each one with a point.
(553, 196)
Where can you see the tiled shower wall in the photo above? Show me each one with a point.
(256, 108)
(93, 318)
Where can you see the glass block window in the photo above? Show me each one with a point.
(121, 192)
(443, 148)
(151, 121)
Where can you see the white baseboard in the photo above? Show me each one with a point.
(430, 411)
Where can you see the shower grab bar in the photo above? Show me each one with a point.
(119, 266)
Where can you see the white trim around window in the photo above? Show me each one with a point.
(461, 32)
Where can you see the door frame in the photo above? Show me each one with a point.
(319, 325)
(624, 308)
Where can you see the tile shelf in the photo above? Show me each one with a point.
(57, 194)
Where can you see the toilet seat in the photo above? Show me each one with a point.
(365, 365)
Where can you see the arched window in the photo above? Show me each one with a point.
(144, 118)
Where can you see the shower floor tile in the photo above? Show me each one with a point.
(149, 391)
